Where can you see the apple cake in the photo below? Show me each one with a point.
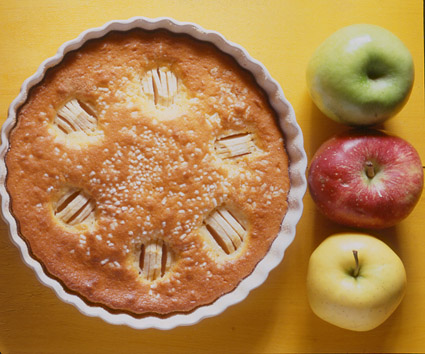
(147, 172)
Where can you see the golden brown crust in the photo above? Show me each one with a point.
(152, 169)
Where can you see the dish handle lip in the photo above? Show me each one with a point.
(293, 142)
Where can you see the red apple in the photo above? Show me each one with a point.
(366, 178)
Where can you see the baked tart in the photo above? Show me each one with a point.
(147, 172)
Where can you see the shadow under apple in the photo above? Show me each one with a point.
(321, 127)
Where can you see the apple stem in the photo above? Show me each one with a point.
(357, 269)
(370, 169)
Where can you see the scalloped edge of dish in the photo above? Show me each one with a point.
(293, 143)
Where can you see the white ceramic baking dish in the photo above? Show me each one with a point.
(294, 147)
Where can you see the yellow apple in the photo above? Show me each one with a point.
(355, 281)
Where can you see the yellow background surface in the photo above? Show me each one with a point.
(276, 317)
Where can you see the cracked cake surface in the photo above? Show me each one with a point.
(147, 172)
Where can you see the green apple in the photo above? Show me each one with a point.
(355, 281)
(361, 75)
